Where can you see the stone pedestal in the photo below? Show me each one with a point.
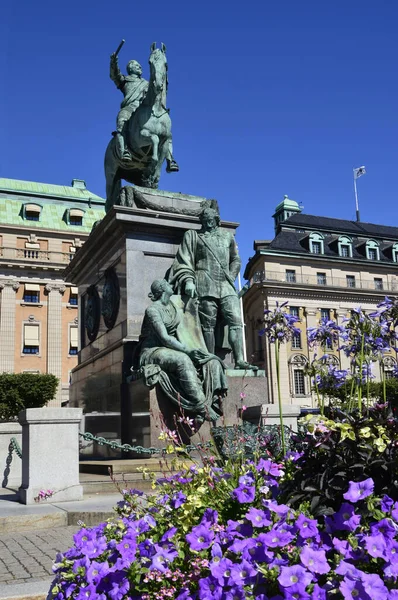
(268, 414)
(50, 453)
(131, 247)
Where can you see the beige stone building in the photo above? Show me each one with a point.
(323, 267)
(42, 226)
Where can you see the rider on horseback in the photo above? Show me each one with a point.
(134, 88)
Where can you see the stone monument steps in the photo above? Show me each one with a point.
(102, 484)
(128, 466)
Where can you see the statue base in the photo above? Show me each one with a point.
(125, 253)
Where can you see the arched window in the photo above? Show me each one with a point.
(345, 246)
(389, 365)
(372, 250)
(298, 379)
(316, 243)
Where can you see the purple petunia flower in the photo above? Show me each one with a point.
(209, 589)
(222, 570)
(276, 538)
(200, 538)
(242, 573)
(352, 589)
(296, 592)
(307, 527)
(259, 518)
(374, 586)
(345, 519)
(359, 490)
(314, 560)
(178, 500)
(244, 493)
(210, 517)
(386, 504)
(375, 545)
(296, 574)
(269, 467)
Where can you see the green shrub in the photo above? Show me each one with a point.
(24, 390)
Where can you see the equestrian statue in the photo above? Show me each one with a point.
(142, 140)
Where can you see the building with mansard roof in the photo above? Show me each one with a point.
(42, 226)
(323, 267)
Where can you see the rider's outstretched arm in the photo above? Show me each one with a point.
(115, 74)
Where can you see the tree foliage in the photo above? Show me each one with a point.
(24, 390)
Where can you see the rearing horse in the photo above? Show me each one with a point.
(147, 134)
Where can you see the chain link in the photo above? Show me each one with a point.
(14, 446)
(138, 449)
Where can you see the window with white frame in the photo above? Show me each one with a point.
(345, 246)
(389, 366)
(350, 281)
(291, 275)
(316, 243)
(372, 250)
(395, 252)
(299, 382)
(73, 297)
(294, 311)
(31, 293)
(31, 343)
(73, 340)
(297, 376)
(325, 314)
(378, 283)
(296, 340)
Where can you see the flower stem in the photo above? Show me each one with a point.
(277, 343)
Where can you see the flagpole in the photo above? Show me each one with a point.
(242, 319)
(356, 198)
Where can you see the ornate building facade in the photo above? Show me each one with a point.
(323, 267)
(42, 226)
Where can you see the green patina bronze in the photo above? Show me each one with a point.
(142, 140)
(206, 266)
(172, 353)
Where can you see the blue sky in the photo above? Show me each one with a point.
(267, 98)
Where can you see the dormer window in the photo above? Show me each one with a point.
(395, 252)
(316, 243)
(74, 217)
(31, 212)
(345, 247)
(372, 250)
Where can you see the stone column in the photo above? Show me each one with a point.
(50, 453)
(54, 336)
(8, 288)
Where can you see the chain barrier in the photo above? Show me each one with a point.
(15, 447)
(138, 449)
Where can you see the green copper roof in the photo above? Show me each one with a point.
(54, 200)
(47, 189)
(288, 204)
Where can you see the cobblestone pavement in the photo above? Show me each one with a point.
(28, 556)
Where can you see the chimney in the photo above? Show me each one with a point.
(79, 184)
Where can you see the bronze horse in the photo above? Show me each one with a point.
(147, 135)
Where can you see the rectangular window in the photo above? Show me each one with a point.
(76, 216)
(321, 278)
(31, 339)
(31, 293)
(316, 248)
(294, 311)
(73, 298)
(372, 253)
(32, 212)
(296, 341)
(290, 275)
(378, 283)
(299, 383)
(73, 340)
(325, 313)
(344, 250)
(350, 281)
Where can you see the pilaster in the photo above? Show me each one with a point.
(8, 289)
(54, 336)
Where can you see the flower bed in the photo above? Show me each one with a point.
(216, 533)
